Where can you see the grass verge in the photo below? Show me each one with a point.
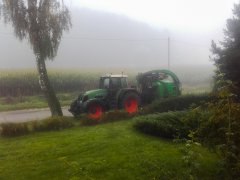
(30, 102)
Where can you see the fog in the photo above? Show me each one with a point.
(101, 39)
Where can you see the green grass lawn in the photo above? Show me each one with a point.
(106, 151)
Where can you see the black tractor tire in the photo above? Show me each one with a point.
(130, 102)
(74, 108)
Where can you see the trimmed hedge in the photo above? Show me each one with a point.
(53, 123)
(166, 125)
(178, 103)
(14, 129)
(109, 116)
(18, 129)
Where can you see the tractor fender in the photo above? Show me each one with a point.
(123, 92)
(94, 100)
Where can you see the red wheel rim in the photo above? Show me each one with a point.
(131, 105)
(95, 111)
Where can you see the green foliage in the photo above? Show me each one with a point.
(116, 115)
(197, 119)
(53, 123)
(217, 125)
(223, 124)
(14, 129)
(176, 103)
(109, 116)
(85, 121)
(226, 56)
(42, 23)
(224, 127)
(190, 156)
(49, 124)
(166, 125)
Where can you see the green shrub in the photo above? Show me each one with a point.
(116, 115)
(86, 121)
(18, 129)
(222, 132)
(196, 118)
(206, 131)
(109, 116)
(53, 123)
(175, 103)
(14, 129)
(166, 125)
(219, 127)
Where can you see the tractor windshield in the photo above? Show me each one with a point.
(104, 83)
(118, 82)
(113, 82)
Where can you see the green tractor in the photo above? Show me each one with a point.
(114, 93)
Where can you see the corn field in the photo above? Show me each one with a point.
(25, 82)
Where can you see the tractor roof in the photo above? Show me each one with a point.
(114, 75)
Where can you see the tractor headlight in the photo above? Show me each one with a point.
(80, 97)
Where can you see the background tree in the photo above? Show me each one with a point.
(222, 127)
(227, 53)
(42, 23)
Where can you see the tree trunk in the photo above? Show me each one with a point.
(47, 89)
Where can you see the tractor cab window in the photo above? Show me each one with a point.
(104, 83)
(124, 82)
(116, 83)
(113, 82)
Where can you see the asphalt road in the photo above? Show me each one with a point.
(28, 115)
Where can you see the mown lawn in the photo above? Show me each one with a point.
(107, 151)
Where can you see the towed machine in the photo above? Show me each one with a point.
(114, 93)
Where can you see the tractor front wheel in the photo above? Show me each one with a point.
(94, 111)
(130, 102)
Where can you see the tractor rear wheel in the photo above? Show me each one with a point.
(94, 110)
(130, 102)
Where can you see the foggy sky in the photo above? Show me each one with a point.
(102, 39)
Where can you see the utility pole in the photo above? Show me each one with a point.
(168, 53)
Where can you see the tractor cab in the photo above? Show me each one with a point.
(113, 82)
(113, 85)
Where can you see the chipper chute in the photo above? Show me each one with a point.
(158, 84)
